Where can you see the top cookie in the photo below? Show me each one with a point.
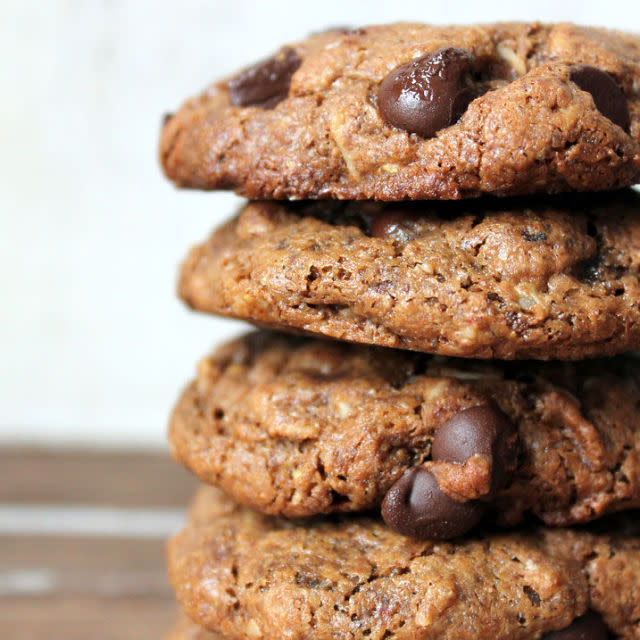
(410, 111)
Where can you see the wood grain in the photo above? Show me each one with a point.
(85, 618)
(86, 588)
(92, 478)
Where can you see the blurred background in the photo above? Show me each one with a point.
(94, 344)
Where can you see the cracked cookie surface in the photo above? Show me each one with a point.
(318, 131)
(296, 427)
(251, 576)
(556, 278)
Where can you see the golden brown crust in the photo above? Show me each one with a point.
(252, 576)
(493, 279)
(533, 130)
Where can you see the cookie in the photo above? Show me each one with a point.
(587, 627)
(410, 111)
(246, 575)
(297, 426)
(548, 278)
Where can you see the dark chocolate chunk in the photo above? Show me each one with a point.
(429, 93)
(607, 95)
(166, 117)
(589, 627)
(392, 223)
(265, 84)
(485, 430)
(416, 507)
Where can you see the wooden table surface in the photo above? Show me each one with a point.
(82, 539)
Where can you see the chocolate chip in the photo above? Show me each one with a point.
(429, 93)
(589, 627)
(393, 223)
(607, 95)
(166, 117)
(265, 84)
(532, 594)
(415, 506)
(484, 430)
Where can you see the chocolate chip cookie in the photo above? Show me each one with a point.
(548, 278)
(246, 575)
(410, 111)
(587, 627)
(296, 427)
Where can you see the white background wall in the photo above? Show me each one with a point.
(93, 344)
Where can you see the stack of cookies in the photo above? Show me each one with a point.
(435, 433)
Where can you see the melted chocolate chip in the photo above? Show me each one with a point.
(484, 430)
(394, 224)
(589, 627)
(265, 84)
(607, 95)
(416, 507)
(429, 93)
